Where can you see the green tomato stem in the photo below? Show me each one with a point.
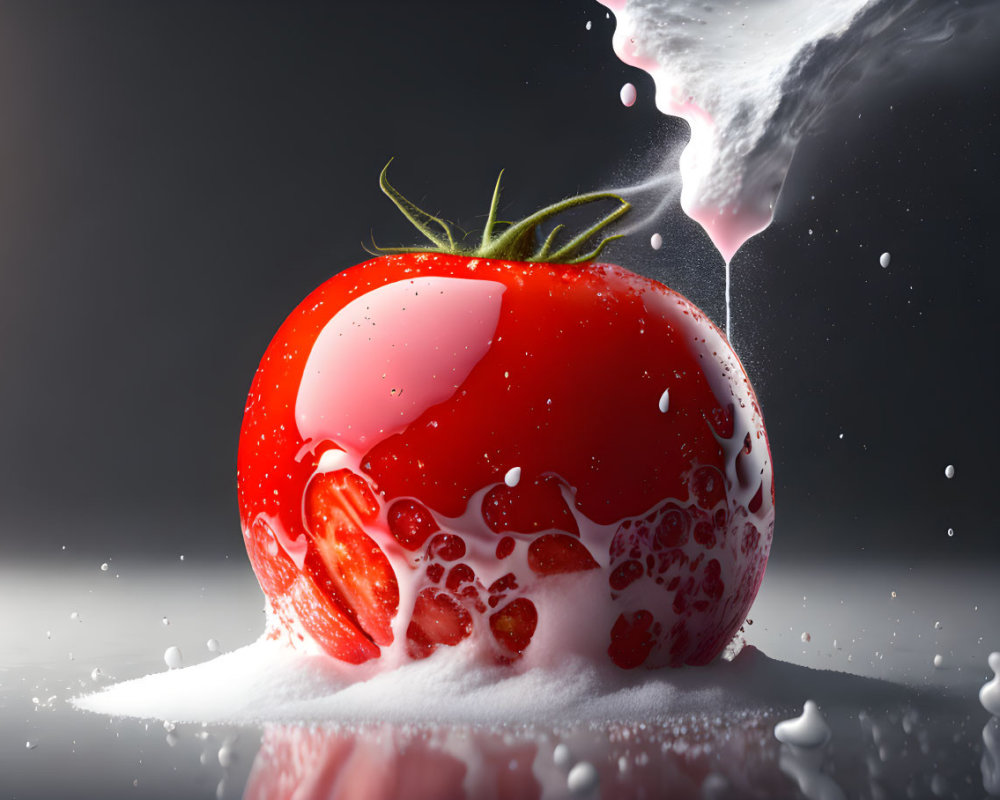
(517, 241)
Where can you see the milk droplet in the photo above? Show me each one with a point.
(75, 616)
(212, 645)
(165, 622)
(949, 471)
(656, 241)
(884, 260)
(951, 532)
(938, 626)
(226, 755)
(628, 95)
(104, 567)
(938, 661)
(561, 757)
(989, 695)
(513, 477)
(665, 401)
(808, 730)
(805, 637)
(172, 657)
(582, 779)
(588, 25)
(30, 745)
(893, 595)
(96, 673)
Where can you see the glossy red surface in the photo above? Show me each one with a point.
(394, 401)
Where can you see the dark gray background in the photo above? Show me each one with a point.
(175, 177)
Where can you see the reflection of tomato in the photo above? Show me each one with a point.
(438, 446)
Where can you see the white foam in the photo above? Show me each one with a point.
(808, 730)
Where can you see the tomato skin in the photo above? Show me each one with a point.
(429, 377)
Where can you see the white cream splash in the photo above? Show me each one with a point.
(751, 79)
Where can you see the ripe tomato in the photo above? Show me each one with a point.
(440, 446)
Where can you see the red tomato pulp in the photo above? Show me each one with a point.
(390, 409)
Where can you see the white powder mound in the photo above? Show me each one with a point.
(752, 78)
(267, 682)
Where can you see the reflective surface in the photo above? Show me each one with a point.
(900, 726)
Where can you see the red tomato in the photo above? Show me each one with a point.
(440, 446)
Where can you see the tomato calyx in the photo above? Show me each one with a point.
(510, 241)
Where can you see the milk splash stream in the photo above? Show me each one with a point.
(752, 78)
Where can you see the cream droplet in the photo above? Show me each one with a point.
(172, 657)
(808, 730)
(513, 477)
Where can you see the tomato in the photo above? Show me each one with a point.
(440, 447)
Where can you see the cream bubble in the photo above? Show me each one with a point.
(808, 730)
(628, 95)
